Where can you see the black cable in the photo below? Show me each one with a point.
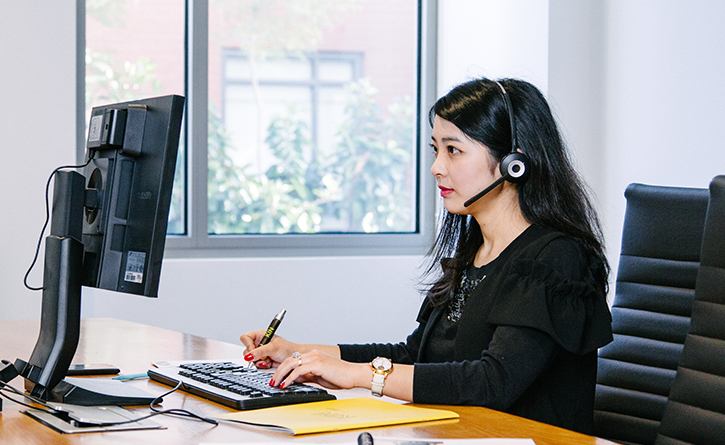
(8, 388)
(156, 412)
(49, 408)
(91, 155)
(176, 411)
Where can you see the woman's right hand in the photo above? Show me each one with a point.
(269, 355)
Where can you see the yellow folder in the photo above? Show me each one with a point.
(336, 415)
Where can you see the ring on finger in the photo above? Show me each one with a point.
(298, 356)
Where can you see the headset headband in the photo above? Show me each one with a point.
(510, 110)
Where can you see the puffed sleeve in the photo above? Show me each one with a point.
(555, 293)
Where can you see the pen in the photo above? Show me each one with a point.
(365, 439)
(142, 375)
(270, 330)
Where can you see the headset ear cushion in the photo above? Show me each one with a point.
(516, 166)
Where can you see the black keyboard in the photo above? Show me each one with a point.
(234, 385)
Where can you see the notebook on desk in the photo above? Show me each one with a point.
(233, 384)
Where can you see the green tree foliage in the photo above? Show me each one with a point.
(373, 160)
(242, 202)
(364, 186)
(264, 28)
(109, 79)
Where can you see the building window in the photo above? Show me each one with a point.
(303, 120)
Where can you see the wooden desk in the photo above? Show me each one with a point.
(133, 346)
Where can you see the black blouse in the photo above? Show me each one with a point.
(443, 337)
(526, 339)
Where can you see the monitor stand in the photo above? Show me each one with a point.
(60, 319)
(96, 392)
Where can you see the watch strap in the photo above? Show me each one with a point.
(377, 384)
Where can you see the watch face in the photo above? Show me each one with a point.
(382, 364)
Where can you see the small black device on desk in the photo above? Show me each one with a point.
(92, 369)
(235, 385)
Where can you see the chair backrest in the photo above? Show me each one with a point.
(695, 412)
(655, 285)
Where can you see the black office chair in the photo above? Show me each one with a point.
(655, 285)
(695, 412)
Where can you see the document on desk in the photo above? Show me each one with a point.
(336, 415)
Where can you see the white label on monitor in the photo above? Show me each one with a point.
(134, 267)
(94, 133)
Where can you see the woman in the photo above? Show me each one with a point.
(514, 320)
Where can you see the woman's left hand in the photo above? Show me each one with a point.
(323, 369)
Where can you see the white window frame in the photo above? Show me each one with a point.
(198, 244)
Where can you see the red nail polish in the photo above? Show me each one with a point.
(249, 357)
(282, 385)
(271, 382)
(262, 364)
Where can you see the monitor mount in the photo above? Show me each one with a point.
(61, 310)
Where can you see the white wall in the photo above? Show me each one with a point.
(576, 78)
(37, 133)
(342, 299)
(492, 38)
(636, 86)
(664, 105)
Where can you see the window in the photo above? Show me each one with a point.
(304, 119)
(135, 49)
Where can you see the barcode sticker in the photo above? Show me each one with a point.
(135, 267)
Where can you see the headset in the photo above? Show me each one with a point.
(514, 166)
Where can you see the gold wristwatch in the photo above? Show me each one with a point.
(381, 367)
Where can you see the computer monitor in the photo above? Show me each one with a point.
(108, 231)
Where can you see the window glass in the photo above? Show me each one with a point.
(311, 111)
(312, 122)
(134, 50)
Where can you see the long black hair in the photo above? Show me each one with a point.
(554, 195)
